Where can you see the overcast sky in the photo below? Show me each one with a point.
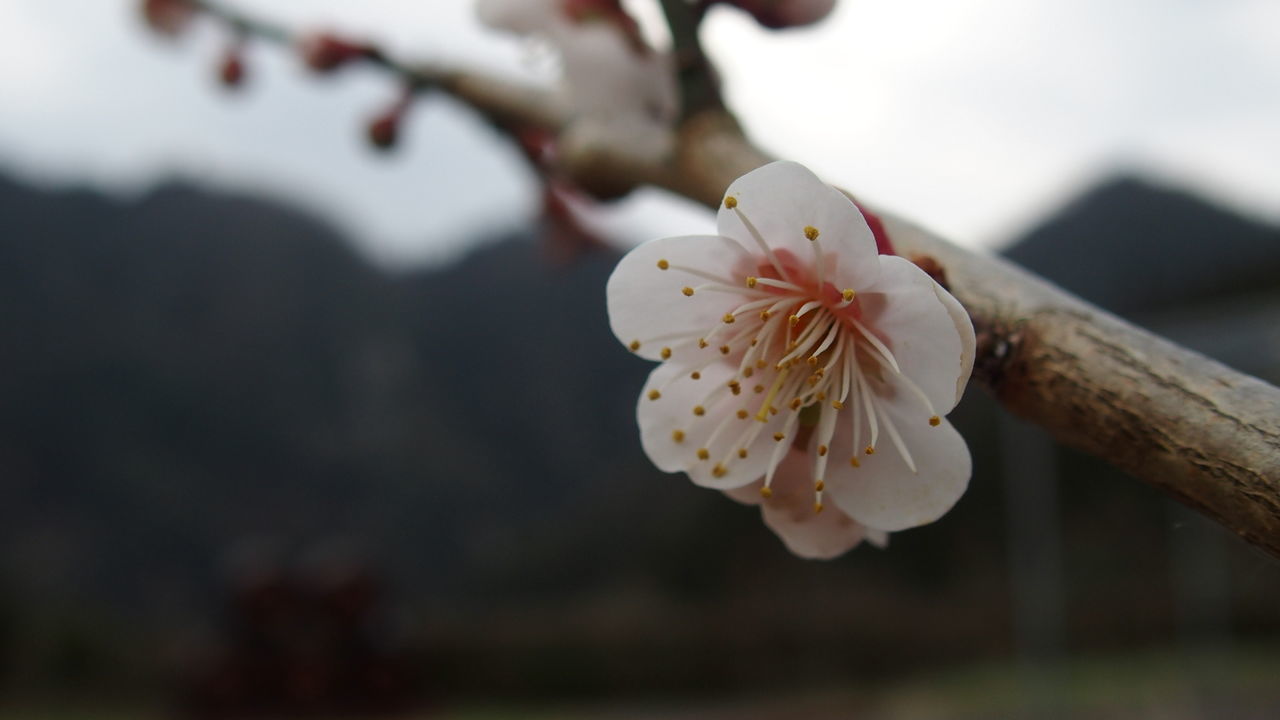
(974, 117)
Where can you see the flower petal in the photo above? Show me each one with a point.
(780, 200)
(907, 312)
(883, 492)
(718, 430)
(968, 341)
(790, 514)
(648, 305)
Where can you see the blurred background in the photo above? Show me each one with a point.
(288, 427)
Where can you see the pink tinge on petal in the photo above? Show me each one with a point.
(790, 512)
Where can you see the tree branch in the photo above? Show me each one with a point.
(1204, 433)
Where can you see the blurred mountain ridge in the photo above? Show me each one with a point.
(189, 374)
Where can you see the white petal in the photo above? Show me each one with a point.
(879, 538)
(647, 303)
(884, 493)
(673, 410)
(907, 312)
(789, 512)
(780, 200)
(964, 327)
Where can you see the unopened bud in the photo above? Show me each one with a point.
(231, 71)
(168, 17)
(324, 52)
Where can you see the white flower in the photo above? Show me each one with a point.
(797, 363)
(622, 93)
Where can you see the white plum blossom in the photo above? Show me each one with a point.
(800, 369)
(621, 92)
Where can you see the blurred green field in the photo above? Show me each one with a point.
(1242, 684)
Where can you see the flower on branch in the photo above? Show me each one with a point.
(799, 367)
(622, 93)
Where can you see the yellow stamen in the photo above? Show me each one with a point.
(742, 452)
(819, 486)
(779, 436)
(677, 435)
(700, 411)
(935, 421)
(724, 349)
(817, 508)
(696, 375)
(688, 291)
(854, 462)
(718, 471)
(743, 414)
(822, 451)
(751, 281)
(654, 394)
(635, 345)
(768, 400)
(848, 294)
(663, 264)
(766, 493)
(870, 450)
(703, 453)
(731, 202)
(666, 353)
(728, 318)
(810, 232)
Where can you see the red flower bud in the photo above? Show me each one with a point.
(231, 71)
(167, 17)
(324, 52)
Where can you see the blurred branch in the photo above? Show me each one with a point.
(1187, 425)
(699, 89)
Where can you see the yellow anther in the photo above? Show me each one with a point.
(779, 436)
(699, 410)
(854, 462)
(743, 414)
(654, 394)
(755, 341)
(935, 421)
(765, 314)
(761, 364)
(773, 410)
(811, 232)
(735, 388)
(703, 453)
(702, 343)
(663, 264)
(731, 202)
(819, 486)
(742, 453)
(728, 318)
(813, 360)
(695, 375)
(688, 291)
(837, 404)
(794, 320)
(822, 450)
(751, 281)
(758, 389)
(870, 450)
(765, 492)
(820, 396)
(724, 349)
(718, 471)
(677, 435)
(635, 345)
(817, 508)
(796, 403)
(748, 372)
(666, 353)
(848, 294)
